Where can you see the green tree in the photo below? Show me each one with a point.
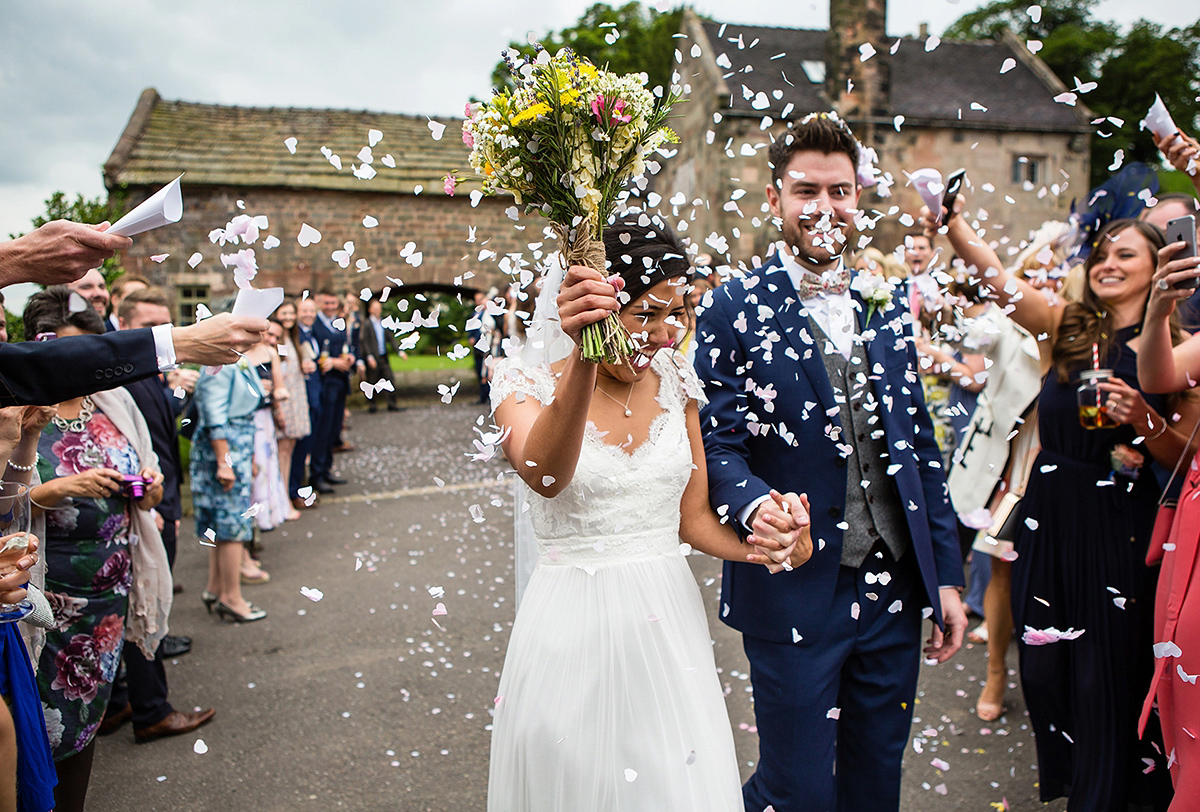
(1129, 68)
(84, 210)
(628, 39)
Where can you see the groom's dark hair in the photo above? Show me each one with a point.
(820, 132)
(644, 251)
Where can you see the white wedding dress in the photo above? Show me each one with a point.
(609, 699)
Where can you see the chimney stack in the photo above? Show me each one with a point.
(924, 31)
(851, 24)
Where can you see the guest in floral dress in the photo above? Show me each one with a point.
(83, 456)
(222, 477)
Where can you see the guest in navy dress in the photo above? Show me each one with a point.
(1085, 523)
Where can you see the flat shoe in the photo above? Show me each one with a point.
(979, 634)
(175, 724)
(250, 580)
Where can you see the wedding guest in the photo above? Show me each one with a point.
(310, 348)
(353, 317)
(124, 285)
(27, 774)
(292, 415)
(94, 289)
(104, 589)
(336, 362)
(62, 251)
(376, 346)
(222, 479)
(1181, 151)
(268, 490)
(1166, 368)
(993, 460)
(821, 410)
(474, 333)
(57, 253)
(1081, 546)
(885, 265)
(591, 690)
(918, 252)
(143, 697)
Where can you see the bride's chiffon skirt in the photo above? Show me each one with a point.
(609, 698)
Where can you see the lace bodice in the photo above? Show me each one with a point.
(619, 505)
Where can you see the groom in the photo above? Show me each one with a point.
(813, 390)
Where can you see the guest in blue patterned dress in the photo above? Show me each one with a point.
(222, 477)
(83, 456)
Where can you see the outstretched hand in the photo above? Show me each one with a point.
(780, 532)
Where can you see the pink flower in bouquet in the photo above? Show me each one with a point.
(598, 107)
(450, 183)
(619, 115)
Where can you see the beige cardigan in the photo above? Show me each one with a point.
(151, 593)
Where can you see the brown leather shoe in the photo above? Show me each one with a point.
(175, 724)
(112, 722)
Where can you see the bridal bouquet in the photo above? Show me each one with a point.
(564, 142)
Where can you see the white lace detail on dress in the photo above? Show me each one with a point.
(510, 378)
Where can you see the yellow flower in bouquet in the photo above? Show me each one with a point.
(565, 142)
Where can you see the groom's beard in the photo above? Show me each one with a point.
(817, 241)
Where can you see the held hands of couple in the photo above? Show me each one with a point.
(780, 532)
(586, 297)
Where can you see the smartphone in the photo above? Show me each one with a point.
(1183, 229)
(953, 184)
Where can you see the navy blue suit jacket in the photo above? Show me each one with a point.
(42, 373)
(312, 381)
(338, 343)
(154, 403)
(776, 434)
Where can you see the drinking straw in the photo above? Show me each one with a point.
(1095, 355)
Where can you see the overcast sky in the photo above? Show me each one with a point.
(71, 70)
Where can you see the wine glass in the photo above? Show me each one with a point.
(14, 541)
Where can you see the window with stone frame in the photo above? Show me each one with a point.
(187, 297)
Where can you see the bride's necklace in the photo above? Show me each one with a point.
(76, 425)
(625, 405)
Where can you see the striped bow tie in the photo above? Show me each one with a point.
(834, 282)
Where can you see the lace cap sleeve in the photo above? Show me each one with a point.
(510, 378)
(676, 365)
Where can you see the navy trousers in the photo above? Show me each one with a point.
(145, 685)
(834, 713)
(326, 433)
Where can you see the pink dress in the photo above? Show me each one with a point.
(1177, 644)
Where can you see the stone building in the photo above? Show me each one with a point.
(988, 107)
(239, 160)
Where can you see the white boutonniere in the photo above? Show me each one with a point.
(875, 290)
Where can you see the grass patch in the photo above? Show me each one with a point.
(424, 362)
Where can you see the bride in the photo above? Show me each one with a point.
(609, 698)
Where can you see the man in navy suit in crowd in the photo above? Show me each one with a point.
(814, 390)
(336, 361)
(310, 350)
(143, 698)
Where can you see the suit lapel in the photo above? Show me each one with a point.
(776, 292)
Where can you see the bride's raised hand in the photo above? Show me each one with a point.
(586, 297)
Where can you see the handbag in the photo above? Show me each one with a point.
(1004, 519)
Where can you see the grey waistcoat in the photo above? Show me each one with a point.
(874, 509)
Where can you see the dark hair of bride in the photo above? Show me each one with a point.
(644, 251)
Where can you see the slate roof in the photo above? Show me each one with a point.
(244, 146)
(930, 87)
